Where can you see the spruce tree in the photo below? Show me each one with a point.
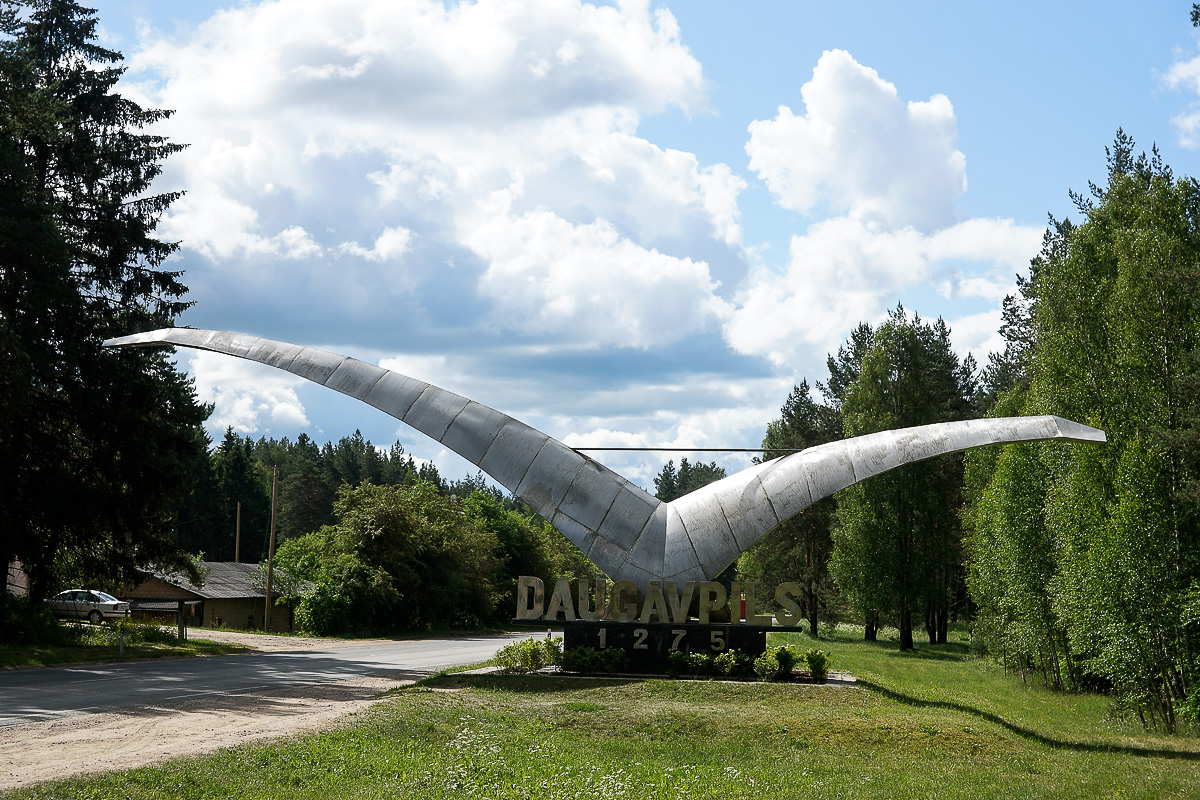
(98, 446)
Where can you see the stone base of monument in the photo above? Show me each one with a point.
(647, 646)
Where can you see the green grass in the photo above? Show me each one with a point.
(41, 655)
(934, 723)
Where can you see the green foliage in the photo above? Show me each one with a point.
(530, 655)
(590, 661)
(818, 664)
(1083, 557)
(671, 484)
(896, 544)
(734, 664)
(787, 657)
(701, 664)
(766, 666)
(677, 663)
(23, 621)
(111, 633)
(326, 611)
(410, 557)
(96, 447)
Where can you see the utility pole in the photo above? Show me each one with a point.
(271, 550)
(237, 542)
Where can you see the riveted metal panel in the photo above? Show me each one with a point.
(355, 378)
(747, 509)
(828, 468)
(918, 444)
(473, 430)
(316, 365)
(705, 522)
(785, 482)
(649, 550)
(873, 454)
(511, 452)
(240, 344)
(549, 476)
(1073, 431)
(969, 433)
(395, 393)
(678, 554)
(607, 556)
(220, 342)
(639, 577)
(1027, 428)
(591, 494)
(627, 515)
(715, 547)
(577, 533)
(273, 354)
(160, 336)
(434, 410)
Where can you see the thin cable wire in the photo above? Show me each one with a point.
(698, 449)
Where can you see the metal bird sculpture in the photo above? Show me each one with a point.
(625, 531)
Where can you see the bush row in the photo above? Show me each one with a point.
(777, 664)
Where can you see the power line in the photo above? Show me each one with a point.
(697, 449)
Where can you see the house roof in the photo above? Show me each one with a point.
(227, 580)
(224, 580)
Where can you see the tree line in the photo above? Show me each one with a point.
(1078, 564)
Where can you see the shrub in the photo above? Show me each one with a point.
(788, 657)
(529, 655)
(700, 664)
(552, 651)
(677, 663)
(818, 664)
(25, 622)
(766, 666)
(733, 664)
(134, 632)
(588, 660)
(325, 612)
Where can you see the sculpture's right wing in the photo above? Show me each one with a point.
(709, 528)
(602, 513)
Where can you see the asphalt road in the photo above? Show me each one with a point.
(43, 694)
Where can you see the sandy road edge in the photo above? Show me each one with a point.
(33, 752)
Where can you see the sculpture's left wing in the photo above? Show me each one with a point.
(600, 512)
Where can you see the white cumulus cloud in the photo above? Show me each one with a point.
(841, 273)
(589, 283)
(248, 397)
(862, 149)
(1185, 76)
(313, 126)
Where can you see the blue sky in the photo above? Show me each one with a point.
(632, 224)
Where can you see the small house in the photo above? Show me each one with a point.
(232, 595)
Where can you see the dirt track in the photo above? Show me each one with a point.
(38, 751)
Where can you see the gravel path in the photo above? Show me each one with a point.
(32, 752)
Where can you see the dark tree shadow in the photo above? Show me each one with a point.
(1026, 733)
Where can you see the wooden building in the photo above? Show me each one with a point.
(230, 596)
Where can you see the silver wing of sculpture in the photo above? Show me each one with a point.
(626, 532)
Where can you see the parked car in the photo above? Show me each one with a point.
(87, 604)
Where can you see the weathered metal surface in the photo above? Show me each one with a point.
(626, 532)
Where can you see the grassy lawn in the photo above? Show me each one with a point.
(930, 724)
(38, 655)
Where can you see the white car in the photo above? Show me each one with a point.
(87, 604)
